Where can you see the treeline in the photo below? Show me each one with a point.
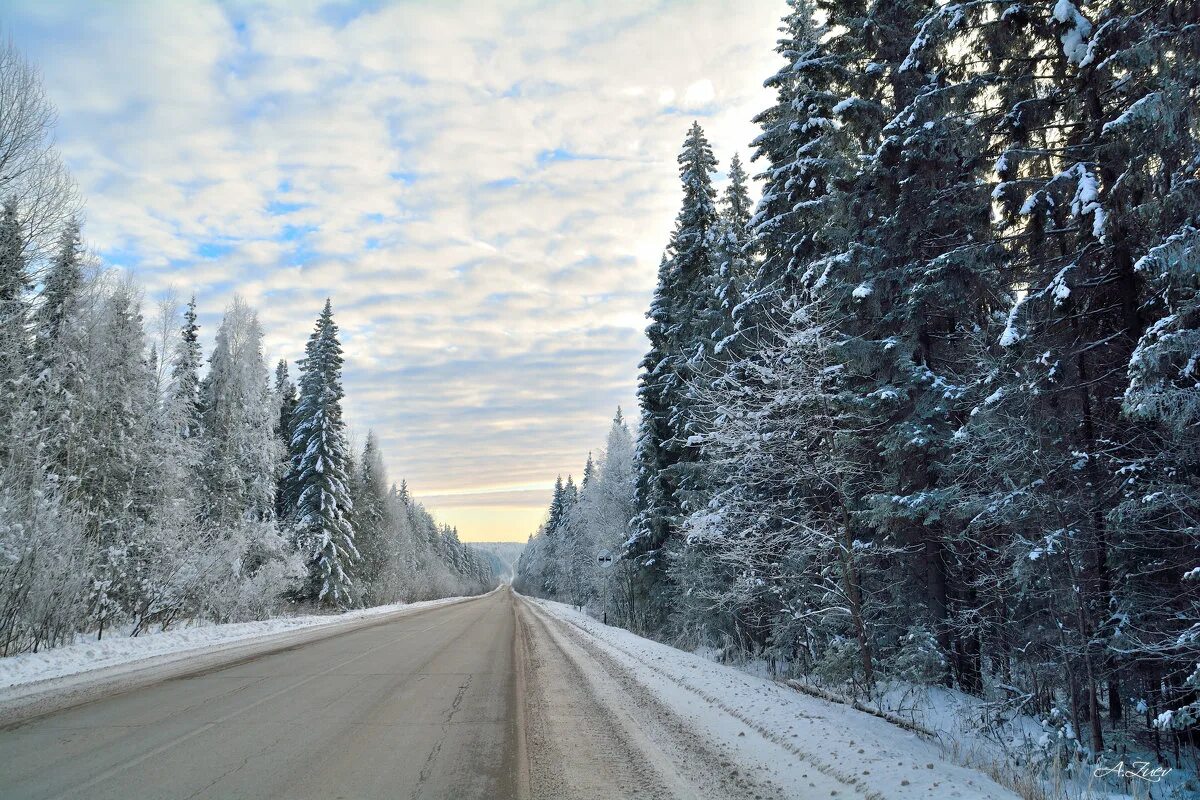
(930, 410)
(562, 560)
(139, 489)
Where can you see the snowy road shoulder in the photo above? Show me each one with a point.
(795, 740)
(37, 683)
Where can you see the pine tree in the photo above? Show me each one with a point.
(806, 153)
(57, 363)
(371, 520)
(680, 342)
(113, 425)
(61, 291)
(15, 285)
(285, 395)
(185, 373)
(733, 254)
(319, 459)
(241, 453)
(589, 472)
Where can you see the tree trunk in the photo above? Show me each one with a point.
(854, 599)
(936, 599)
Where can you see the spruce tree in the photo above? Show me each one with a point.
(733, 254)
(319, 460)
(680, 342)
(57, 365)
(14, 324)
(61, 291)
(805, 153)
(241, 453)
(285, 395)
(185, 373)
(589, 471)
(371, 520)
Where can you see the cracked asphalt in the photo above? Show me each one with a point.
(422, 706)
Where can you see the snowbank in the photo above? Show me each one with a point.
(740, 712)
(21, 671)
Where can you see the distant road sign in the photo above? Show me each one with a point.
(605, 559)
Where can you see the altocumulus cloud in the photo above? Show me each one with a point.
(484, 188)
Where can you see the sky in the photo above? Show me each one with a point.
(484, 189)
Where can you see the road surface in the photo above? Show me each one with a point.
(489, 698)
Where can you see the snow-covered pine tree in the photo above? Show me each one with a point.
(549, 551)
(241, 453)
(1140, 80)
(680, 342)
(805, 153)
(933, 280)
(285, 396)
(589, 472)
(613, 508)
(60, 291)
(733, 253)
(57, 364)
(371, 521)
(108, 453)
(319, 458)
(15, 286)
(1086, 164)
(570, 496)
(185, 373)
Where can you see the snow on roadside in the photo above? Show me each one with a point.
(877, 758)
(73, 660)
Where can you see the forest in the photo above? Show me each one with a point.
(927, 412)
(144, 485)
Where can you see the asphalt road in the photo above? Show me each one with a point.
(490, 698)
(421, 706)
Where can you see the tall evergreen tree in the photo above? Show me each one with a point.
(285, 395)
(57, 363)
(371, 520)
(680, 342)
(241, 453)
(805, 152)
(319, 459)
(15, 285)
(732, 254)
(185, 373)
(589, 471)
(61, 291)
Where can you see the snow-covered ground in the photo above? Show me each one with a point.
(59, 668)
(799, 740)
(882, 756)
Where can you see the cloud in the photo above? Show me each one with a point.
(483, 188)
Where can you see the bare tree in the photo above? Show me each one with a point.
(31, 170)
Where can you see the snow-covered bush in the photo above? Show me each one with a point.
(44, 566)
(839, 665)
(918, 659)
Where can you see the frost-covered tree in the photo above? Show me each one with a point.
(32, 175)
(15, 286)
(733, 255)
(241, 452)
(679, 343)
(319, 458)
(371, 519)
(285, 397)
(185, 373)
(562, 562)
(803, 152)
(58, 364)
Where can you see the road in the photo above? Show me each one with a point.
(481, 699)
